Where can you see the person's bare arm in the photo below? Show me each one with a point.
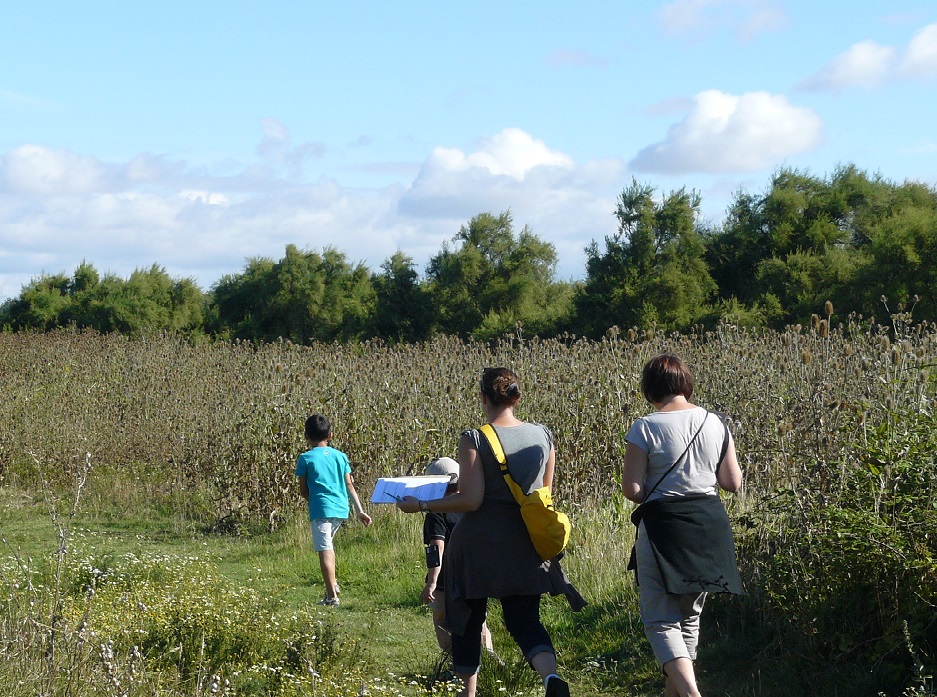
(471, 485)
(729, 474)
(355, 502)
(634, 473)
(549, 470)
(303, 488)
(432, 573)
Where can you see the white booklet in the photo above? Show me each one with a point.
(424, 487)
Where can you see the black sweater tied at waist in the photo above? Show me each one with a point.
(692, 542)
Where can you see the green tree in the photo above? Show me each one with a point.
(652, 271)
(304, 297)
(899, 256)
(149, 300)
(403, 311)
(40, 305)
(850, 238)
(495, 279)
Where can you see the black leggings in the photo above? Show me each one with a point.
(522, 620)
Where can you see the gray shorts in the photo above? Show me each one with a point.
(323, 530)
(671, 622)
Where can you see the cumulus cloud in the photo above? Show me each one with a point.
(564, 203)
(512, 153)
(58, 208)
(504, 165)
(746, 18)
(866, 64)
(727, 133)
(31, 169)
(869, 64)
(920, 57)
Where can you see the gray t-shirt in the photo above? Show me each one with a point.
(527, 448)
(664, 435)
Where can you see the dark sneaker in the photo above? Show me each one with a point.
(557, 687)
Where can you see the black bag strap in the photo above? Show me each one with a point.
(725, 446)
(682, 455)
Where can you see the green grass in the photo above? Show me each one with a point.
(835, 430)
(380, 569)
(380, 631)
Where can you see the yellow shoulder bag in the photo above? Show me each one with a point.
(548, 528)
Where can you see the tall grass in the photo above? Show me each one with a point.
(834, 424)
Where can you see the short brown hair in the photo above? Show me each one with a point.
(666, 375)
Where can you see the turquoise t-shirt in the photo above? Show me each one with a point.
(324, 469)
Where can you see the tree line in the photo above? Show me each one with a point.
(865, 243)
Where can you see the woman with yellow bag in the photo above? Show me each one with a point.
(490, 553)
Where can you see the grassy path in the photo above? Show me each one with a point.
(380, 569)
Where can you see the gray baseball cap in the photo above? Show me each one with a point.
(444, 465)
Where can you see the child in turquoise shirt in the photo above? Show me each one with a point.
(325, 482)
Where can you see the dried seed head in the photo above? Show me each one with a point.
(632, 335)
(824, 328)
(895, 356)
(848, 350)
(814, 321)
(805, 357)
(828, 308)
(889, 403)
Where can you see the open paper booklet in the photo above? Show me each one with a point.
(424, 487)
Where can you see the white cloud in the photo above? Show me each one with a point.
(512, 153)
(33, 169)
(920, 57)
(58, 208)
(747, 18)
(727, 133)
(866, 64)
(869, 64)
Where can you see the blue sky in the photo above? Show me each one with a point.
(195, 135)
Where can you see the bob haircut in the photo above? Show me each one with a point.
(666, 375)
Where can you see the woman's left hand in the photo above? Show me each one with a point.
(409, 504)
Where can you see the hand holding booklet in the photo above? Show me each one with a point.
(423, 487)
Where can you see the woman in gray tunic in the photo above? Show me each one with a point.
(490, 554)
